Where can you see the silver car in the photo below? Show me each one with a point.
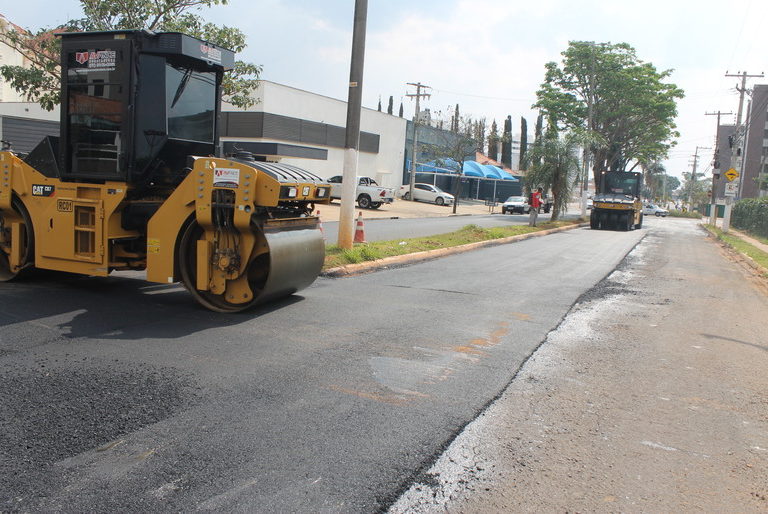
(515, 204)
(427, 193)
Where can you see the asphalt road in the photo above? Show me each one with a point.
(119, 395)
(383, 229)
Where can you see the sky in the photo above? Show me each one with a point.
(489, 55)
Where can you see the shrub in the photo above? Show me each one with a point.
(751, 215)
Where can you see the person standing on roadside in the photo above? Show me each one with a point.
(535, 205)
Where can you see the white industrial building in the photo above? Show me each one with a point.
(307, 130)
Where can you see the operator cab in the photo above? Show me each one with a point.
(136, 104)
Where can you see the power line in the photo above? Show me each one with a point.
(508, 99)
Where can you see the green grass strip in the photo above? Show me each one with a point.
(335, 256)
(742, 246)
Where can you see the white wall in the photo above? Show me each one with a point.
(385, 166)
(28, 110)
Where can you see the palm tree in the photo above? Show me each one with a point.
(652, 172)
(553, 165)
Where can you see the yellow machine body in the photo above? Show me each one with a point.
(126, 185)
(77, 228)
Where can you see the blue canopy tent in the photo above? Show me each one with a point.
(473, 169)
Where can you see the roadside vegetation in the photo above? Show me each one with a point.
(336, 256)
(741, 246)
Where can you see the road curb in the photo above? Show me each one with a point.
(411, 258)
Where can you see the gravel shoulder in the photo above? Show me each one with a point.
(651, 395)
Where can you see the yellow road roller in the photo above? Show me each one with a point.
(136, 180)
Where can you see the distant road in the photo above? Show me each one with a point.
(387, 229)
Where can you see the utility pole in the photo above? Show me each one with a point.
(585, 184)
(739, 136)
(418, 95)
(693, 175)
(352, 142)
(715, 168)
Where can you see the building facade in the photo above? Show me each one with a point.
(754, 172)
(310, 128)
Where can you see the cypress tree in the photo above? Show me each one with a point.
(523, 142)
(389, 107)
(493, 142)
(506, 143)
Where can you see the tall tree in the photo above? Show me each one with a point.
(523, 142)
(493, 142)
(389, 106)
(40, 82)
(652, 174)
(633, 108)
(506, 143)
(400, 112)
(379, 108)
(456, 120)
(479, 134)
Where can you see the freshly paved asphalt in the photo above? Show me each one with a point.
(120, 395)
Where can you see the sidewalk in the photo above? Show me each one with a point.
(743, 236)
(406, 209)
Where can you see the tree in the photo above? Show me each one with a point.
(694, 190)
(553, 166)
(456, 119)
(479, 134)
(41, 81)
(633, 108)
(653, 174)
(493, 142)
(458, 146)
(523, 142)
(379, 108)
(506, 143)
(389, 106)
(400, 113)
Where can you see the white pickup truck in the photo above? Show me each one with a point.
(369, 193)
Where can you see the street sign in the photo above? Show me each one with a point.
(730, 189)
(731, 174)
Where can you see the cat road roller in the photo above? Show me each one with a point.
(136, 180)
(616, 205)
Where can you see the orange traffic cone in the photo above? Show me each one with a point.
(320, 224)
(360, 230)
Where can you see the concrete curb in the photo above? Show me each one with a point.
(411, 258)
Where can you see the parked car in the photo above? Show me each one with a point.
(427, 193)
(650, 208)
(369, 194)
(515, 204)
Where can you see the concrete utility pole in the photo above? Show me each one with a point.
(715, 168)
(738, 135)
(693, 175)
(585, 184)
(352, 143)
(417, 95)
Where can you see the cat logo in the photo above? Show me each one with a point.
(64, 205)
(42, 190)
